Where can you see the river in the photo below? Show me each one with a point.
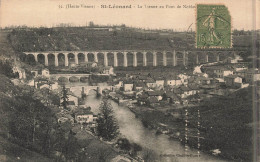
(133, 129)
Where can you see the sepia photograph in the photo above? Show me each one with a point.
(129, 80)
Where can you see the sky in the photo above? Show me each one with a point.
(47, 13)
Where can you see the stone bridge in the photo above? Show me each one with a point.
(73, 77)
(130, 57)
(78, 90)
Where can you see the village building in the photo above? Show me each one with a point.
(150, 83)
(46, 73)
(233, 80)
(21, 72)
(64, 116)
(85, 116)
(171, 97)
(186, 91)
(157, 94)
(221, 72)
(128, 86)
(252, 76)
(159, 81)
(139, 86)
(108, 70)
(152, 101)
(142, 98)
(174, 81)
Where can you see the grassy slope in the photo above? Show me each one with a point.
(225, 124)
(11, 152)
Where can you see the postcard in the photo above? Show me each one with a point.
(129, 80)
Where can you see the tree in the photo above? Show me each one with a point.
(107, 127)
(7, 69)
(64, 98)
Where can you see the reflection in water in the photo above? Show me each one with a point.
(132, 129)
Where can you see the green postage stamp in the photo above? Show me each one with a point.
(213, 26)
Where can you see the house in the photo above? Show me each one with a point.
(46, 73)
(221, 72)
(241, 73)
(157, 94)
(35, 73)
(159, 81)
(174, 81)
(118, 84)
(233, 80)
(194, 89)
(108, 70)
(64, 117)
(139, 86)
(177, 91)
(73, 98)
(252, 76)
(186, 91)
(142, 78)
(233, 60)
(85, 116)
(128, 86)
(239, 67)
(21, 72)
(150, 83)
(152, 101)
(142, 98)
(184, 78)
(54, 86)
(205, 81)
(194, 98)
(172, 98)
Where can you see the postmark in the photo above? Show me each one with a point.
(213, 26)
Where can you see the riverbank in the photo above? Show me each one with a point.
(173, 125)
(224, 129)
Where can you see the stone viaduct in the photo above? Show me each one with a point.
(128, 57)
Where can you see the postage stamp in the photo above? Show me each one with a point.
(213, 26)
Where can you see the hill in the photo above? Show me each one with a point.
(226, 124)
(86, 38)
(12, 152)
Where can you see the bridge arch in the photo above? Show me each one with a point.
(63, 80)
(159, 58)
(90, 57)
(84, 79)
(110, 58)
(71, 58)
(130, 59)
(41, 58)
(169, 58)
(211, 57)
(61, 59)
(51, 59)
(30, 59)
(120, 59)
(81, 58)
(192, 57)
(201, 57)
(74, 79)
(100, 57)
(179, 58)
(140, 59)
(149, 58)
